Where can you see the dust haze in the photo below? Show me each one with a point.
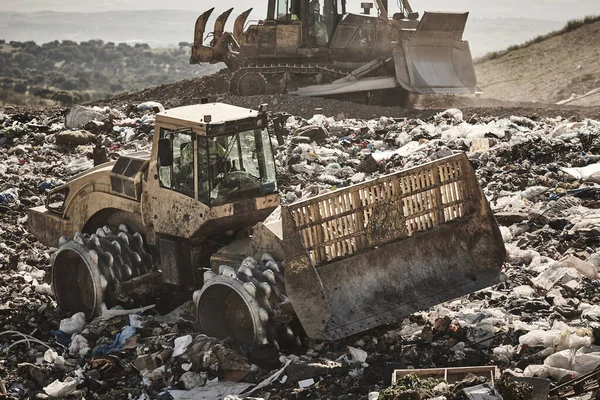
(492, 25)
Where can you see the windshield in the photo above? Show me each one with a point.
(235, 166)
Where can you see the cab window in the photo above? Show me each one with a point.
(282, 10)
(235, 167)
(180, 175)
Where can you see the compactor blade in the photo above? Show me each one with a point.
(240, 21)
(434, 58)
(369, 254)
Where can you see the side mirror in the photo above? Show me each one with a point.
(165, 152)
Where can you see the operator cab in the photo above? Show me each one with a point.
(221, 155)
(318, 18)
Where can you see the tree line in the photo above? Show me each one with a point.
(69, 72)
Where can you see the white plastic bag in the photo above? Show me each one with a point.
(74, 324)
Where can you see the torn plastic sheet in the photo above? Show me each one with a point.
(210, 391)
(482, 392)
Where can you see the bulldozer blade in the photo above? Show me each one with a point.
(220, 26)
(338, 88)
(353, 82)
(434, 59)
(369, 254)
(201, 53)
(238, 26)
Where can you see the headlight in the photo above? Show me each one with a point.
(260, 122)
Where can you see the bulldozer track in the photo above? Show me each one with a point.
(237, 87)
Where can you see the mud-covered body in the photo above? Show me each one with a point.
(72, 206)
(128, 191)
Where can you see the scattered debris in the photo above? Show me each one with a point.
(541, 320)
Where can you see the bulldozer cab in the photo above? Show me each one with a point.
(217, 165)
(317, 19)
(212, 169)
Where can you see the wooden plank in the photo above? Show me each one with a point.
(395, 189)
(424, 200)
(416, 203)
(346, 225)
(341, 228)
(452, 189)
(318, 233)
(351, 244)
(405, 209)
(330, 225)
(310, 234)
(324, 221)
(437, 197)
(299, 217)
(368, 200)
(359, 226)
(337, 224)
(417, 197)
(430, 197)
(408, 202)
(445, 194)
(409, 205)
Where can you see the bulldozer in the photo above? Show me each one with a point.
(201, 212)
(317, 48)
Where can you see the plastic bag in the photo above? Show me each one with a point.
(74, 324)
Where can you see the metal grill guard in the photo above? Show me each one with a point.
(396, 206)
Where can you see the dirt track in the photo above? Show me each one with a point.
(215, 87)
(527, 81)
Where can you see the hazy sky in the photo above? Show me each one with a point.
(554, 10)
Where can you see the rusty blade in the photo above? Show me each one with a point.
(201, 26)
(220, 25)
(240, 21)
(435, 59)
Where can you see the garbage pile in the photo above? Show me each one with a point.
(540, 175)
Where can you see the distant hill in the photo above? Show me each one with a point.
(548, 69)
(70, 72)
(166, 28)
(551, 10)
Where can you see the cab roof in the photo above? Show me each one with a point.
(194, 114)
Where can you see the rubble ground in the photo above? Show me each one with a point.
(539, 171)
(215, 87)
